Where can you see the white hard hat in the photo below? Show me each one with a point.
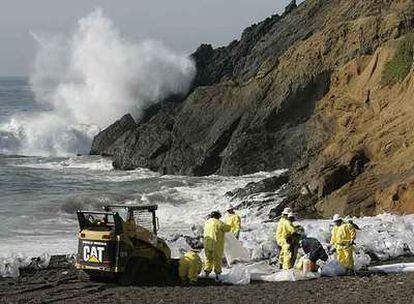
(336, 218)
(286, 211)
(291, 214)
(348, 218)
(230, 207)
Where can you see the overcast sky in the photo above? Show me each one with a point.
(180, 24)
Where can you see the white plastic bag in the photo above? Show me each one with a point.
(234, 250)
(236, 275)
(333, 268)
(179, 248)
(259, 269)
(10, 264)
(361, 260)
(393, 268)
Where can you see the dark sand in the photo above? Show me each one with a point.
(60, 283)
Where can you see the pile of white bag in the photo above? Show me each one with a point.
(10, 265)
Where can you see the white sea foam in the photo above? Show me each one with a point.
(88, 80)
(80, 162)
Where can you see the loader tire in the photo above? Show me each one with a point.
(134, 272)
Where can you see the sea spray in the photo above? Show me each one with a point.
(86, 81)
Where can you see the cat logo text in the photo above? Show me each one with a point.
(93, 254)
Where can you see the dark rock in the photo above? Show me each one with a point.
(146, 145)
(291, 6)
(106, 142)
(333, 180)
(271, 184)
(301, 204)
(347, 169)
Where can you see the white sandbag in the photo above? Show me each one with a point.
(9, 268)
(361, 260)
(289, 275)
(393, 268)
(260, 269)
(234, 250)
(179, 248)
(266, 250)
(10, 264)
(236, 275)
(332, 269)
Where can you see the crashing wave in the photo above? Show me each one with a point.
(88, 80)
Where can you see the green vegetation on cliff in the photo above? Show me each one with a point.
(400, 65)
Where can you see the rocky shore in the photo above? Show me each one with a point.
(61, 283)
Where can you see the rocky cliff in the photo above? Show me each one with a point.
(304, 91)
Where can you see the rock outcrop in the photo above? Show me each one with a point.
(300, 91)
(107, 141)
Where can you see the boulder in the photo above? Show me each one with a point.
(271, 184)
(106, 142)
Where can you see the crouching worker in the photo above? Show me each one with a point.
(342, 240)
(189, 267)
(314, 251)
(214, 231)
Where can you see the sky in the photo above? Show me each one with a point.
(181, 25)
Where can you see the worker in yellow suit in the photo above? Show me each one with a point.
(189, 267)
(214, 231)
(351, 226)
(234, 221)
(342, 239)
(284, 233)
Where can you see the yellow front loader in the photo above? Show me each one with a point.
(121, 243)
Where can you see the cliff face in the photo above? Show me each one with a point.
(300, 91)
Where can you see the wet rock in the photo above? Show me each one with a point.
(271, 184)
(107, 141)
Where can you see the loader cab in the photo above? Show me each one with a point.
(100, 221)
(143, 215)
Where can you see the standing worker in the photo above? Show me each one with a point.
(284, 233)
(295, 238)
(342, 240)
(189, 267)
(351, 225)
(214, 231)
(234, 221)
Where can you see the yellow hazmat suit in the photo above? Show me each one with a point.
(342, 239)
(352, 230)
(214, 231)
(189, 267)
(234, 221)
(129, 229)
(285, 229)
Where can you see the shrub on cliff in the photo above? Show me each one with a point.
(400, 65)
